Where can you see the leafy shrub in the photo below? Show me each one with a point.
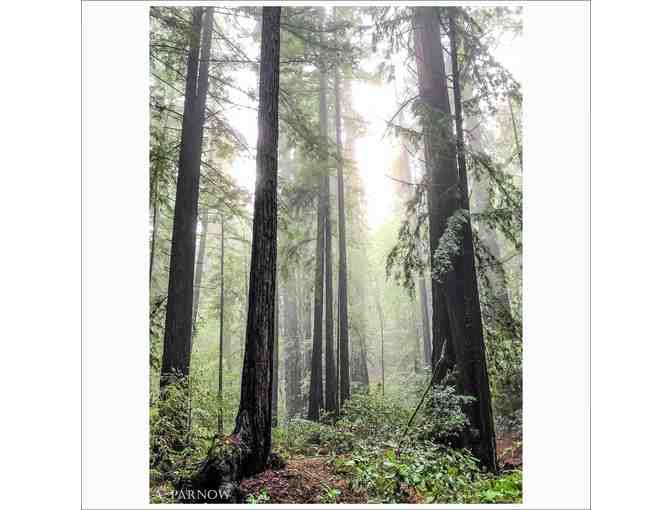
(443, 415)
(373, 417)
(437, 474)
(171, 443)
(507, 488)
(305, 437)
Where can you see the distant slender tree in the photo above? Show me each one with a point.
(381, 323)
(351, 122)
(323, 393)
(330, 385)
(292, 347)
(343, 331)
(179, 308)
(220, 385)
(200, 262)
(155, 225)
(316, 395)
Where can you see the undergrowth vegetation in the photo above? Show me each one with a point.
(366, 445)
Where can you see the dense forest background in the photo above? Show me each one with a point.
(335, 255)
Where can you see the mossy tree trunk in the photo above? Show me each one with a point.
(473, 370)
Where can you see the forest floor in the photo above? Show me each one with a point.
(312, 480)
(302, 480)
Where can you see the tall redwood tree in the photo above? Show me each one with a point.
(247, 450)
(179, 307)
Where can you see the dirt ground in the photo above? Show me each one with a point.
(302, 480)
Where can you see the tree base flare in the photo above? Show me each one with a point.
(217, 479)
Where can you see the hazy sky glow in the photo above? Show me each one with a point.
(376, 104)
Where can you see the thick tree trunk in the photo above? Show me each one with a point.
(473, 367)
(200, 261)
(443, 197)
(247, 451)
(179, 308)
(343, 331)
(253, 418)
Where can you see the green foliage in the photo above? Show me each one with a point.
(449, 248)
(507, 488)
(438, 474)
(364, 447)
(443, 415)
(330, 495)
(374, 417)
(421, 468)
(299, 437)
(262, 497)
(171, 443)
(505, 359)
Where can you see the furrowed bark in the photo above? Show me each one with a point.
(247, 450)
(473, 368)
(442, 179)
